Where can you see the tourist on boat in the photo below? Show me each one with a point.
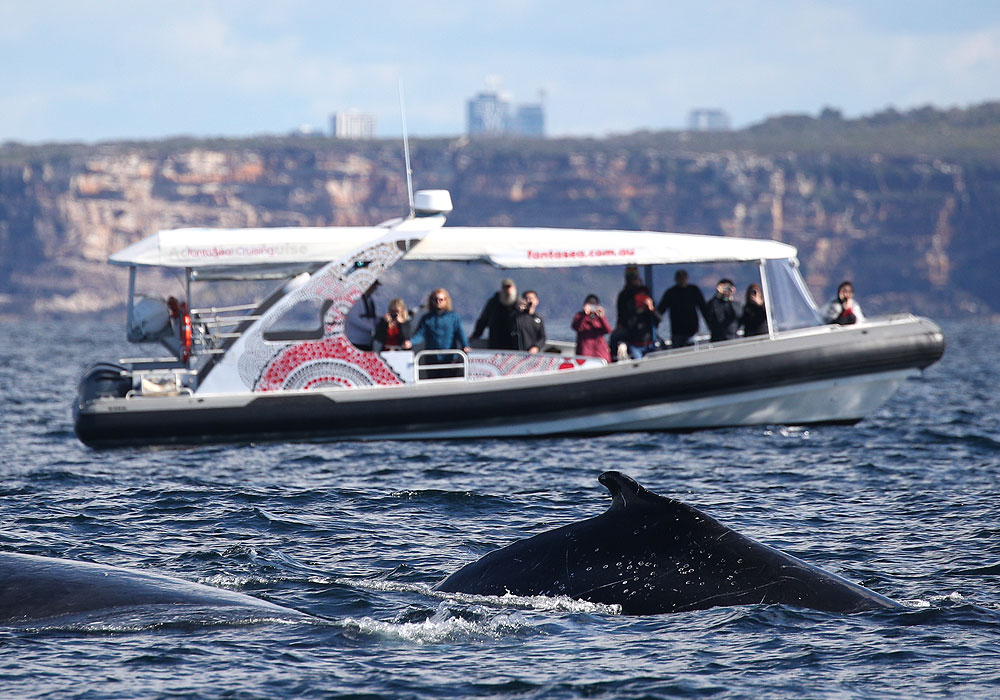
(626, 309)
(499, 315)
(440, 328)
(529, 325)
(641, 337)
(723, 312)
(845, 309)
(684, 301)
(591, 325)
(754, 318)
(393, 329)
(359, 326)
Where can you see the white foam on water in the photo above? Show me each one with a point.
(535, 602)
(233, 583)
(442, 627)
(508, 600)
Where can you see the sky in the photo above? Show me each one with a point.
(97, 70)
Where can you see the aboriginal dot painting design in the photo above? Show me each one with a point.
(329, 363)
(504, 364)
(332, 361)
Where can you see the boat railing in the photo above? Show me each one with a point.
(162, 382)
(141, 363)
(432, 365)
(213, 310)
(217, 324)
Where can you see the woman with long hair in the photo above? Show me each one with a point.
(591, 325)
(393, 329)
(754, 318)
(440, 329)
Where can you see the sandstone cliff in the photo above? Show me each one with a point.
(909, 214)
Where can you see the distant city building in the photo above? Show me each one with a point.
(490, 114)
(487, 115)
(529, 121)
(352, 125)
(708, 120)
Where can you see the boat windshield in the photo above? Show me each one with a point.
(792, 305)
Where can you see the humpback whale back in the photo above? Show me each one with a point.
(34, 587)
(650, 554)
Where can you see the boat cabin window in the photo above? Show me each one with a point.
(792, 305)
(304, 321)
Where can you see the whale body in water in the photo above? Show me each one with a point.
(649, 554)
(35, 588)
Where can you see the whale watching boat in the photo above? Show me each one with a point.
(281, 366)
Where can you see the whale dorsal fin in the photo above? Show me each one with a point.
(625, 491)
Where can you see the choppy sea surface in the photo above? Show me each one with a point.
(907, 502)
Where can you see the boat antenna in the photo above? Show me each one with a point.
(406, 149)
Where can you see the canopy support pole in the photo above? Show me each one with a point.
(767, 298)
(131, 297)
(647, 274)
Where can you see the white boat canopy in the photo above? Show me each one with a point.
(501, 247)
(564, 247)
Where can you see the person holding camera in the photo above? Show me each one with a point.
(723, 312)
(529, 327)
(845, 309)
(591, 325)
(754, 318)
(393, 329)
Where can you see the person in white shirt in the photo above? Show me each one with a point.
(845, 309)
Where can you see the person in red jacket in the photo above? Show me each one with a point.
(591, 325)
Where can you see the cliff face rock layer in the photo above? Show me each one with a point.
(915, 231)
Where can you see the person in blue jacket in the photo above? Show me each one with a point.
(440, 329)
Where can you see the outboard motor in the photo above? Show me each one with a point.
(104, 379)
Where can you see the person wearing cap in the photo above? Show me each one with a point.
(499, 315)
(723, 312)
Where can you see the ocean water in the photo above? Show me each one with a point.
(356, 534)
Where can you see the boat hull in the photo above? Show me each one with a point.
(816, 375)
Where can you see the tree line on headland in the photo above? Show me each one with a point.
(906, 204)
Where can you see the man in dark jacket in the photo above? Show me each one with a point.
(359, 326)
(722, 312)
(530, 327)
(500, 316)
(642, 338)
(685, 301)
(626, 308)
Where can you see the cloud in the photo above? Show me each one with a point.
(975, 52)
(98, 69)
